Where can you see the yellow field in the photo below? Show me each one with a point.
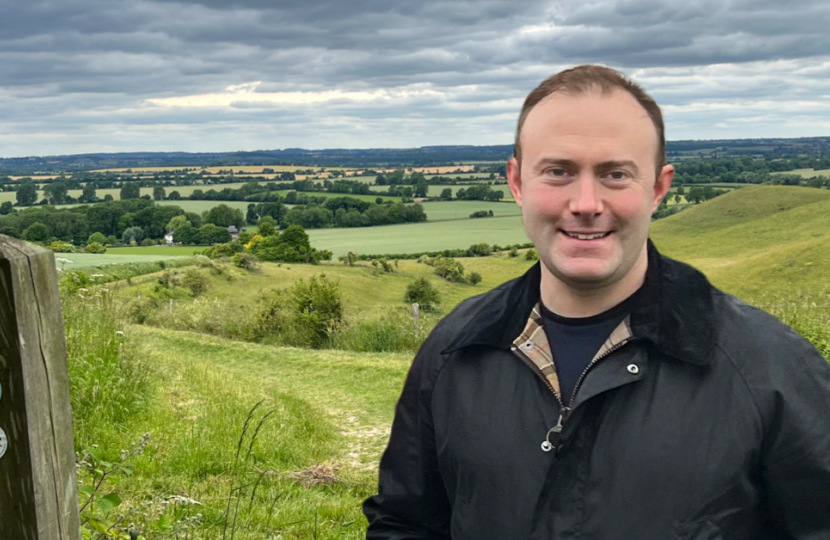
(250, 169)
(434, 170)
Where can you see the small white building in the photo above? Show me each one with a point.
(168, 238)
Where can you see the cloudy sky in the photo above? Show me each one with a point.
(221, 75)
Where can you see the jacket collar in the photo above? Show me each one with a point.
(675, 314)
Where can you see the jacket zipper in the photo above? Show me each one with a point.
(553, 435)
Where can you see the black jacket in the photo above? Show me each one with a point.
(720, 431)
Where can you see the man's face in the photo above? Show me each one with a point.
(586, 185)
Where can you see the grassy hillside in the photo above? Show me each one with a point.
(754, 240)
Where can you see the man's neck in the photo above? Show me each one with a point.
(577, 302)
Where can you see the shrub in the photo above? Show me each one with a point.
(531, 255)
(316, 310)
(62, 247)
(514, 252)
(449, 269)
(479, 250)
(474, 278)
(195, 281)
(393, 331)
(148, 242)
(422, 292)
(245, 261)
(95, 247)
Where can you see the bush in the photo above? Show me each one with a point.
(245, 261)
(393, 331)
(95, 247)
(62, 247)
(449, 269)
(195, 281)
(316, 310)
(479, 250)
(514, 252)
(531, 255)
(474, 278)
(422, 292)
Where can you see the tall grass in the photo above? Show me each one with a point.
(109, 380)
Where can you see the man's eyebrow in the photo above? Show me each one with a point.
(617, 164)
(566, 163)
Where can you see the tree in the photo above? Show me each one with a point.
(225, 216)
(96, 237)
(132, 234)
(174, 196)
(423, 293)
(175, 223)
(36, 232)
(446, 194)
(56, 192)
(250, 215)
(6, 208)
(26, 194)
(88, 194)
(130, 190)
(158, 193)
(214, 234)
(187, 234)
(267, 226)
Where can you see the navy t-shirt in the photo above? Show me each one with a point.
(575, 341)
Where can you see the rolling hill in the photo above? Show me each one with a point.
(755, 241)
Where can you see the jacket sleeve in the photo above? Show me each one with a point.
(797, 450)
(412, 502)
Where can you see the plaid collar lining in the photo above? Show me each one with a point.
(533, 343)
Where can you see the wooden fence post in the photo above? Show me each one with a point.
(38, 485)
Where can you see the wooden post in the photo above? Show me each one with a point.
(415, 311)
(38, 486)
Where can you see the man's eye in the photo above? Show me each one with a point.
(617, 175)
(557, 172)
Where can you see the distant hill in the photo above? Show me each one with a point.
(423, 156)
(755, 240)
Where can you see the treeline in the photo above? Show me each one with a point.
(143, 221)
(746, 170)
(140, 219)
(336, 212)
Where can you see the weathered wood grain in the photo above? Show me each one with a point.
(38, 486)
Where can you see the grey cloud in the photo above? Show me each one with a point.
(88, 66)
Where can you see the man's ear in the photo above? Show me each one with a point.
(514, 180)
(662, 185)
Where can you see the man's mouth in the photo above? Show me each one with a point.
(587, 236)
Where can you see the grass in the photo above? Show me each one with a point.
(444, 210)
(192, 394)
(176, 251)
(416, 237)
(115, 256)
(756, 240)
(807, 173)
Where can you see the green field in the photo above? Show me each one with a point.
(444, 210)
(417, 237)
(807, 173)
(113, 256)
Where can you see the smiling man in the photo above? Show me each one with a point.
(610, 392)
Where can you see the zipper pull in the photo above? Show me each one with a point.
(547, 445)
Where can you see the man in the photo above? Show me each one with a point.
(609, 393)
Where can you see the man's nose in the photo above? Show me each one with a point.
(586, 198)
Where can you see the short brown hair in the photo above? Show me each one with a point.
(582, 79)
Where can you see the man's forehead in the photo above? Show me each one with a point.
(605, 117)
